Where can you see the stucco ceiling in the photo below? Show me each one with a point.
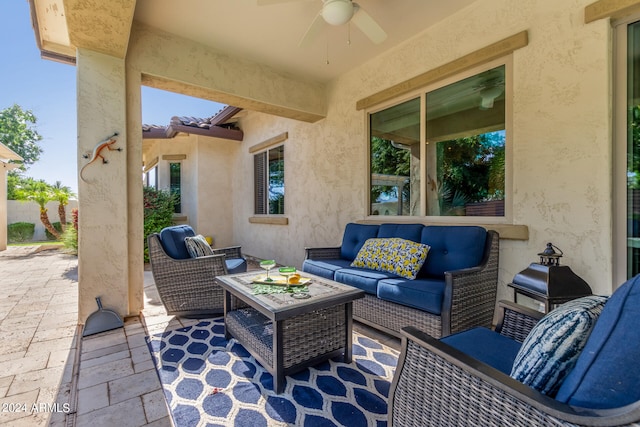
(270, 34)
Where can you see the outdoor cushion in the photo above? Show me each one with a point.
(394, 255)
(411, 232)
(197, 246)
(424, 294)
(452, 248)
(354, 237)
(481, 344)
(362, 278)
(235, 265)
(553, 346)
(324, 267)
(606, 374)
(172, 239)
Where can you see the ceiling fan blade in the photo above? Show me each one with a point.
(269, 2)
(368, 25)
(312, 32)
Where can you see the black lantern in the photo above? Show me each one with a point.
(548, 281)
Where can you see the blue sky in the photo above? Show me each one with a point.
(48, 89)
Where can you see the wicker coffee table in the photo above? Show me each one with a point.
(286, 334)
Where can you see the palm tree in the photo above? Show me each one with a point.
(41, 193)
(61, 194)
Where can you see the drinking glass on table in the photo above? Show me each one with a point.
(286, 272)
(268, 264)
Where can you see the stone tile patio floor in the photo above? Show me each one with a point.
(48, 376)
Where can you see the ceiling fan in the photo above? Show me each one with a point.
(338, 12)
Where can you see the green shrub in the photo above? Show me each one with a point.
(19, 232)
(158, 213)
(70, 236)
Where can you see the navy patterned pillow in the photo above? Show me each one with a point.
(551, 349)
(197, 246)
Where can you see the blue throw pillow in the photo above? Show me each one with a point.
(551, 349)
(197, 246)
(394, 255)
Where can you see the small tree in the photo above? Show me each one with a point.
(158, 213)
(41, 193)
(61, 194)
(17, 131)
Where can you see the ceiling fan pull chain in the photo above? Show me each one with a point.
(349, 33)
(327, 51)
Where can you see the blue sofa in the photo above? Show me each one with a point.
(464, 379)
(454, 290)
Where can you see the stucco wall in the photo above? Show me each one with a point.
(30, 212)
(207, 181)
(560, 147)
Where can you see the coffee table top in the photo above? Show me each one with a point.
(322, 293)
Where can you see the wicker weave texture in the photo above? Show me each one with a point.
(431, 390)
(230, 252)
(394, 316)
(517, 325)
(322, 253)
(187, 286)
(304, 337)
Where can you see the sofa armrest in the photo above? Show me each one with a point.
(470, 293)
(514, 320)
(435, 384)
(322, 253)
(230, 251)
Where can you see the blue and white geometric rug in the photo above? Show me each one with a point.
(209, 381)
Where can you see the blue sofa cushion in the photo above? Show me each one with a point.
(411, 232)
(362, 278)
(172, 239)
(481, 344)
(452, 248)
(424, 294)
(606, 374)
(395, 255)
(553, 346)
(324, 267)
(354, 237)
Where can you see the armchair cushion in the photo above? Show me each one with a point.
(606, 374)
(553, 346)
(394, 255)
(481, 344)
(236, 265)
(197, 246)
(172, 239)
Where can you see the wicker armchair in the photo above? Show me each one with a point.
(187, 287)
(437, 385)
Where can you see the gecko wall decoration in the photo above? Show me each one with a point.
(97, 153)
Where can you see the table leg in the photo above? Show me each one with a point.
(227, 308)
(348, 345)
(278, 357)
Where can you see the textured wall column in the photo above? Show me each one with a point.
(102, 189)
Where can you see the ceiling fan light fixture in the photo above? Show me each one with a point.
(337, 12)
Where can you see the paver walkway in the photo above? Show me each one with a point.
(38, 318)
